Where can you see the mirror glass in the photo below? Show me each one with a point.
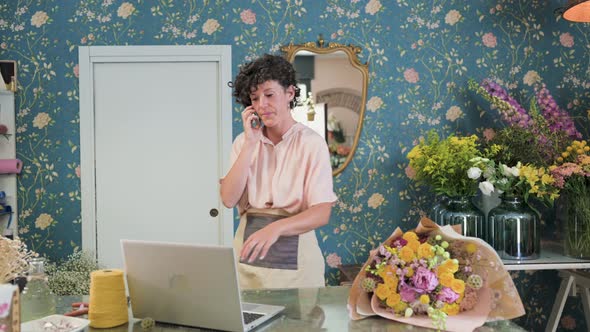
(333, 84)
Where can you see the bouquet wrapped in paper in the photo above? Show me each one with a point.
(436, 278)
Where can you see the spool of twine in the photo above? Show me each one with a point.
(108, 302)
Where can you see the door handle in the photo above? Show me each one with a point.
(213, 212)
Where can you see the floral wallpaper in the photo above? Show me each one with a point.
(420, 55)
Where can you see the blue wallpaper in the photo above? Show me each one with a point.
(420, 54)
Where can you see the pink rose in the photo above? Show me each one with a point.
(424, 279)
(489, 134)
(566, 40)
(248, 16)
(333, 260)
(77, 70)
(489, 40)
(447, 295)
(411, 75)
(410, 172)
(407, 293)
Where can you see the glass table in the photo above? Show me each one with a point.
(308, 309)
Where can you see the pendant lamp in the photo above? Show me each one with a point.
(577, 11)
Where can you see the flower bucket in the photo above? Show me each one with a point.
(310, 116)
(575, 218)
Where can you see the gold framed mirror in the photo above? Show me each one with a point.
(338, 83)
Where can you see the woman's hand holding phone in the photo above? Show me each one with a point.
(252, 123)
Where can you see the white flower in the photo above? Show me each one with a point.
(510, 171)
(125, 10)
(375, 200)
(409, 312)
(41, 120)
(452, 17)
(210, 26)
(454, 113)
(374, 103)
(39, 18)
(373, 7)
(474, 173)
(531, 77)
(486, 188)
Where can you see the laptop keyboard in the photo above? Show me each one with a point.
(249, 317)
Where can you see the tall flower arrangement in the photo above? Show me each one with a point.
(572, 176)
(536, 136)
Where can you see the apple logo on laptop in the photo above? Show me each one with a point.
(179, 282)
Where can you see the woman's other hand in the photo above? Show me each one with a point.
(258, 244)
(252, 134)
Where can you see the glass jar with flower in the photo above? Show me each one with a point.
(442, 165)
(513, 227)
(572, 176)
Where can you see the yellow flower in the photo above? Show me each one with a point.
(450, 265)
(388, 270)
(401, 306)
(408, 236)
(424, 299)
(407, 254)
(470, 248)
(393, 299)
(425, 251)
(547, 179)
(410, 272)
(382, 291)
(450, 309)
(414, 245)
(458, 286)
(391, 282)
(446, 279)
(416, 152)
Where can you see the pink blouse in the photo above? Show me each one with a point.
(293, 175)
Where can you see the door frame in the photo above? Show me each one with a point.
(90, 55)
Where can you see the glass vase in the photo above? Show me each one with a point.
(575, 217)
(514, 229)
(462, 211)
(438, 208)
(37, 299)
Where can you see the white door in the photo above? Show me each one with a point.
(155, 139)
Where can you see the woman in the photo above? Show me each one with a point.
(280, 179)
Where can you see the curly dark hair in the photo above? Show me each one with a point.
(266, 68)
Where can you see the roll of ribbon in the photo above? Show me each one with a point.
(10, 166)
(108, 302)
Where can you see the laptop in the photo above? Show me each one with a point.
(189, 284)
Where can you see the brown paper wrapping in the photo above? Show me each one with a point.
(499, 299)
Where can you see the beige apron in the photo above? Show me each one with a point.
(308, 270)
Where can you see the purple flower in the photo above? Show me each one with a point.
(407, 293)
(512, 112)
(425, 279)
(558, 119)
(447, 295)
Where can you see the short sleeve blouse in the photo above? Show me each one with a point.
(293, 175)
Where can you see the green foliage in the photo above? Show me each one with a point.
(72, 276)
(443, 164)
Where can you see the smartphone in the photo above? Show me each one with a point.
(255, 123)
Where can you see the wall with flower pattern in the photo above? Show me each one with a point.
(420, 55)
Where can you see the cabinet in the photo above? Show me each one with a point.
(8, 183)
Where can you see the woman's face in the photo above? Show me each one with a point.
(271, 102)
